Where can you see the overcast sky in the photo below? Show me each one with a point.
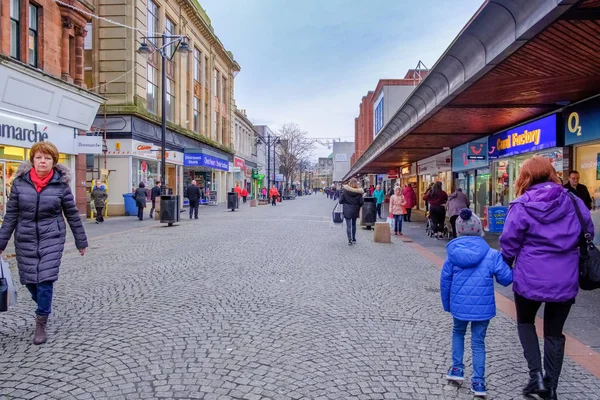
(311, 61)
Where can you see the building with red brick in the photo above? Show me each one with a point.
(42, 81)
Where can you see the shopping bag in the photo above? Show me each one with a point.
(8, 292)
(336, 214)
(391, 222)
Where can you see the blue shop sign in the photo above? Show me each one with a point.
(534, 136)
(204, 160)
(582, 122)
(470, 155)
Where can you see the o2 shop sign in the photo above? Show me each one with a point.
(534, 136)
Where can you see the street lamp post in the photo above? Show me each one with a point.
(268, 143)
(149, 46)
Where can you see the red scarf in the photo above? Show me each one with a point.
(38, 182)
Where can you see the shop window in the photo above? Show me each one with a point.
(33, 35)
(152, 89)
(15, 37)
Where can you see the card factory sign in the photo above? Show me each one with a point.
(20, 132)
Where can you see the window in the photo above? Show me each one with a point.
(214, 133)
(170, 31)
(205, 121)
(170, 105)
(206, 76)
(224, 91)
(216, 83)
(196, 114)
(15, 38)
(33, 35)
(152, 20)
(197, 65)
(152, 89)
(223, 125)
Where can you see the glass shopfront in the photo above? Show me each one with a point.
(432, 170)
(510, 149)
(470, 166)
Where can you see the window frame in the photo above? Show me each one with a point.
(197, 65)
(196, 114)
(170, 29)
(36, 34)
(152, 28)
(170, 100)
(17, 23)
(152, 107)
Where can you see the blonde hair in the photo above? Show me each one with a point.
(353, 182)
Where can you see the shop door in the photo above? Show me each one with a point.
(3, 193)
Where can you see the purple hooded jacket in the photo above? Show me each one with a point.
(541, 232)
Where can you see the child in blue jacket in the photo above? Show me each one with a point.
(467, 287)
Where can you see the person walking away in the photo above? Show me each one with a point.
(379, 198)
(40, 196)
(437, 199)
(352, 200)
(264, 192)
(578, 189)
(397, 204)
(541, 236)
(274, 194)
(244, 194)
(456, 202)
(140, 199)
(429, 189)
(467, 289)
(99, 196)
(193, 195)
(154, 194)
(411, 201)
(238, 190)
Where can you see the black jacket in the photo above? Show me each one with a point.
(352, 199)
(193, 193)
(582, 192)
(140, 197)
(154, 193)
(38, 224)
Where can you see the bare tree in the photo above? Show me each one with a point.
(294, 148)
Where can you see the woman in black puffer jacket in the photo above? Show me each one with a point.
(40, 195)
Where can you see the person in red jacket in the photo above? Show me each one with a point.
(244, 194)
(411, 201)
(238, 190)
(274, 194)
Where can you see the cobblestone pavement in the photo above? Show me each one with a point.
(264, 303)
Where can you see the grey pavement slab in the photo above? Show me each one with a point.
(264, 303)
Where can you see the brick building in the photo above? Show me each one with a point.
(363, 127)
(42, 81)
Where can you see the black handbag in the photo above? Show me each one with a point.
(3, 292)
(589, 256)
(337, 215)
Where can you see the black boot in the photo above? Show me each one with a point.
(531, 350)
(554, 353)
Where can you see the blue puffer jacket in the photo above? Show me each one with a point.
(467, 281)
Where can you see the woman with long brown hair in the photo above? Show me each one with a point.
(541, 236)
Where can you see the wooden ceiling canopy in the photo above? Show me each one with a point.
(560, 65)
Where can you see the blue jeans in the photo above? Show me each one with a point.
(351, 228)
(478, 331)
(398, 223)
(42, 295)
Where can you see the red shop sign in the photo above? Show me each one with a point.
(392, 174)
(238, 162)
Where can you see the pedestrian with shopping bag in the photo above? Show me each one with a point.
(397, 204)
(8, 291)
(352, 200)
(39, 202)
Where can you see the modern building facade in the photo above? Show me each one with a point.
(44, 96)
(325, 171)
(342, 154)
(199, 98)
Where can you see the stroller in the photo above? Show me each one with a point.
(430, 231)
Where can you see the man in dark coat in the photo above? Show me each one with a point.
(154, 194)
(579, 189)
(35, 209)
(140, 200)
(352, 200)
(193, 195)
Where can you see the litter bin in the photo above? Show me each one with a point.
(130, 206)
(233, 201)
(169, 209)
(496, 217)
(368, 215)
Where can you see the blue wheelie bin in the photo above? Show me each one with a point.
(130, 206)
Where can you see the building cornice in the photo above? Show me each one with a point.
(240, 115)
(200, 19)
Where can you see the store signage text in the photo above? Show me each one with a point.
(24, 134)
(204, 160)
(238, 162)
(536, 135)
(470, 155)
(19, 132)
(582, 122)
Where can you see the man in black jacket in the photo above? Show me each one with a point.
(153, 195)
(193, 195)
(579, 189)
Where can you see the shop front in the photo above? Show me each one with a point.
(582, 131)
(409, 175)
(239, 172)
(508, 150)
(471, 173)
(431, 170)
(211, 172)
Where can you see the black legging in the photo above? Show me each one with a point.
(453, 222)
(438, 215)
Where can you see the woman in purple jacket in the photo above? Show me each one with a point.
(541, 236)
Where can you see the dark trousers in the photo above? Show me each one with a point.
(408, 214)
(194, 204)
(152, 210)
(244, 199)
(141, 213)
(453, 222)
(555, 315)
(41, 293)
(273, 200)
(379, 209)
(99, 214)
(438, 216)
(351, 228)
(398, 223)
